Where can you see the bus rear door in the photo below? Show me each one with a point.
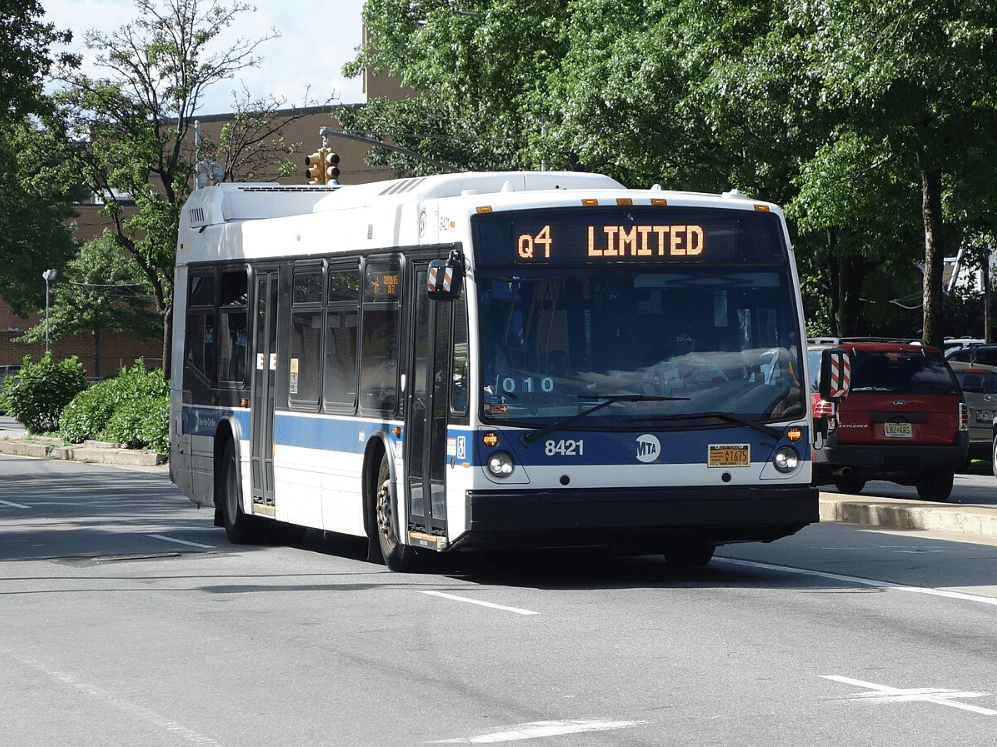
(263, 386)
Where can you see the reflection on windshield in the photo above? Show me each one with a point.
(661, 342)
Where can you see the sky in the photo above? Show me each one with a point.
(316, 40)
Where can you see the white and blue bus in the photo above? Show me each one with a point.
(492, 360)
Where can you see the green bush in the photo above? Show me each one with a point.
(132, 408)
(86, 415)
(37, 394)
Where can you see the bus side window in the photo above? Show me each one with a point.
(379, 368)
(379, 334)
(458, 392)
(232, 327)
(342, 313)
(200, 339)
(306, 337)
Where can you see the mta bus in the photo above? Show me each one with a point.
(492, 360)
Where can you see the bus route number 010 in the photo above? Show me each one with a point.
(527, 385)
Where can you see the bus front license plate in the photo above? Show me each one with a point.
(730, 456)
(898, 430)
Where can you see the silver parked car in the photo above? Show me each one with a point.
(979, 387)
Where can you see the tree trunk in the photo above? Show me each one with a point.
(96, 354)
(832, 278)
(168, 339)
(934, 257)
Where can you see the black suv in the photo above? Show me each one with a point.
(904, 419)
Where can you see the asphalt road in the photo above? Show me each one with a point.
(128, 620)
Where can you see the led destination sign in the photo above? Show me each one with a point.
(639, 236)
(607, 242)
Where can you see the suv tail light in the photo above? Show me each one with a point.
(963, 417)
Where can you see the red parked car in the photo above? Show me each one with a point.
(904, 419)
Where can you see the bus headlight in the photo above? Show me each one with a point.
(786, 459)
(500, 464)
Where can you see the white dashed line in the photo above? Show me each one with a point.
(483, 604)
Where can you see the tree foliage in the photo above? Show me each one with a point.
(874, 123)
(35, 234)
(99, 292)
(134, 127)
(26, 55)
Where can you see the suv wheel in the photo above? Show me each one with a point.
(935, 485)
(850, 483)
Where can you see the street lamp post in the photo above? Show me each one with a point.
(49, 276)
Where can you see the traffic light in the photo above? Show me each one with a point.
(332, 168)
(316, 167)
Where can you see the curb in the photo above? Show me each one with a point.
(94, 452)
(974, 521)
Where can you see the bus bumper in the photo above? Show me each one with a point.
(641, 519)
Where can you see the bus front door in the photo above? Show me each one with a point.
(264, 381)
(426, 418)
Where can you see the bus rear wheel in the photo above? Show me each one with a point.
(396, 556)
(239, 528)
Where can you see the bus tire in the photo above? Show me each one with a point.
(688, 556)
(396, 556)
(239, 528)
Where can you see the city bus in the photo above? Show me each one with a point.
(491, 361)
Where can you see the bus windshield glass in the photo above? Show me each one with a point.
(666, 337)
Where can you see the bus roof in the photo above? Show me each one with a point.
(247, 201)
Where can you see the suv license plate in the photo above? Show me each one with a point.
(984, 417)
(898, 430)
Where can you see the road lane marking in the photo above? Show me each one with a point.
(864, 581)
(887, 694)
(75, 685)
(538, 729)
(183, 542)
(483, 604)
(13, 505)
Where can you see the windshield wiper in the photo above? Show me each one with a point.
(609, 400)
(766, 429)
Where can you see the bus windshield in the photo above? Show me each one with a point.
(664, 343)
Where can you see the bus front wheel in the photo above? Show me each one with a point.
(239, 528)
(397, 557)
(688, 556)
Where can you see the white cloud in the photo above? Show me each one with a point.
(317, 39)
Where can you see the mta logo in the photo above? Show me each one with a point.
(648, 448)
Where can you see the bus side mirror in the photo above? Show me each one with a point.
(445, 276)
(835, 374)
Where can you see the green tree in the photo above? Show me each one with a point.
(33, 237)
(99, 292)
(480, 68)
(135, 127)
(26, 56)
(914, 79)
(35, 229)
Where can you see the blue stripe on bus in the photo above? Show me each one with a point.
(203, 420)
(328, 433)
(596, 448)
(350, 435)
